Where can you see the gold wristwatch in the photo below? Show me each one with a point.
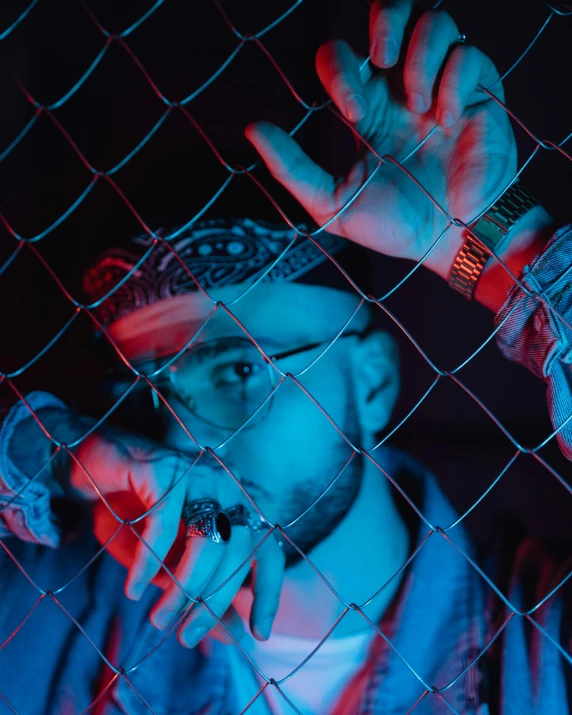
(491, 230)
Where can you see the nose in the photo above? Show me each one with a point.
(192, 434)
(208, 439)
(213, 438)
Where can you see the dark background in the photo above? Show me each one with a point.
(176, 173)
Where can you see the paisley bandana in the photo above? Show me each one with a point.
(215, 253)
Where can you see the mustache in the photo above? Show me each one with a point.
(248, 484)
(255, 488)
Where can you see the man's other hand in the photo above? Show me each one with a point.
(148, 485)
(464, 164)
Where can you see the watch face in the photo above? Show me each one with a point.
(507, 210)
(490, 233)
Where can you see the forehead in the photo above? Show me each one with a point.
(280, 314)
(288, 310)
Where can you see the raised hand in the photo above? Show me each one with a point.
(135, 474)
(465, 163)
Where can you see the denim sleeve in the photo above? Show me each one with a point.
(27, 509)
(533, 335)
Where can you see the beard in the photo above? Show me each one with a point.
(325, 515)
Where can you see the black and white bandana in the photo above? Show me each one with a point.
(217, 253)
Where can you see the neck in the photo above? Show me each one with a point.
(358, 557)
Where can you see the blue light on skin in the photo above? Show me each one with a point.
(355, 534)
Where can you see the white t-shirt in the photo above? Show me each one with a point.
(314, 689)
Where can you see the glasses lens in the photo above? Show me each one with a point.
(223, 381)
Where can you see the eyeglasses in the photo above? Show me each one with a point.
(223, 381)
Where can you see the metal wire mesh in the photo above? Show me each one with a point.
(96, 174)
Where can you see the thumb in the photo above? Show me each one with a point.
(122, 546)
(161, 486)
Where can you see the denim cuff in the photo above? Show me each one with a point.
(25, 507)
(534, 335)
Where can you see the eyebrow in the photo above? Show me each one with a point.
(208, 351)
(269, 344)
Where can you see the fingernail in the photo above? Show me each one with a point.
(162, 619)
(417, 103)
(385, 52)
(136, 591)
(265, 628)
(390, 52)
(355, 107)
(194, 635)
(445, 118)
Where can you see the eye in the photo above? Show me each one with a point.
(236, 373)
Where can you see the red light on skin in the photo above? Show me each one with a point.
(122, 547)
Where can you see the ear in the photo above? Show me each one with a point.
(376, 380)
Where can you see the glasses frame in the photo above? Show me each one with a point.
(189, 403)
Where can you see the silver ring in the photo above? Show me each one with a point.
(462, 39)
(204, 517)
(240, 516)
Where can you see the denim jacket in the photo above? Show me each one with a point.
(64, 618)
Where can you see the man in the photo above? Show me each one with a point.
(268, 385)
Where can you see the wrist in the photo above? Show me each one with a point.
(444, 253)
(526, 239)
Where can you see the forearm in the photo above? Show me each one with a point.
(536, 332)
(531, 331)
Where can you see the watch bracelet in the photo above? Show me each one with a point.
(467, 267)
(486, 236)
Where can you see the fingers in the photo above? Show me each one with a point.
(466, 69)
(431, 41)
(387, 22)
(200, 561)
(160, 531)
(305, 180)
(200, 622)
(161, 524)
(339, 71)
(433, 37)
(267, 586)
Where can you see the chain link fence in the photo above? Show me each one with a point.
(93, 174)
